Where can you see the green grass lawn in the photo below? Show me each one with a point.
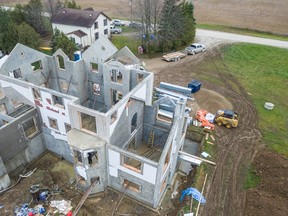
(132, 43)
(263, 71)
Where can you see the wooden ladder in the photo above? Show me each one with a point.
(83, 199)
(151, 139)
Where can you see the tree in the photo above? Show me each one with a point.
(22, 33)
(189, 23)
(53, 6)
(148, 12)
(34, 10)
(71, 4)
(61, 41)
(177, 25)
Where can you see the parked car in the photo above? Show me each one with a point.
(135, 25)
(115, 30)
(195, 48)
(117, 22)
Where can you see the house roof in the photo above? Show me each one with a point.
(74, 17)
(78, 33)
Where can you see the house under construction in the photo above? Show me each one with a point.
(96, 113)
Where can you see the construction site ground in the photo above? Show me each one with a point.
(237, 148)
(224, 191)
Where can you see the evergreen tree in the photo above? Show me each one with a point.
(171, 24)
(61, 41)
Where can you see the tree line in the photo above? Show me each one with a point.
(28, 25)
(165, 25)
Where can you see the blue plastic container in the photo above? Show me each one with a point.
(195, 86)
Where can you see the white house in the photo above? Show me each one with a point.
(82, 26)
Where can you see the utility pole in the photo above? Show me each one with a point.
(130, 3)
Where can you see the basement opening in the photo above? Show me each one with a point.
(131, 186)
(29, 127)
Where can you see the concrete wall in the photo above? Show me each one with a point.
(13, 140)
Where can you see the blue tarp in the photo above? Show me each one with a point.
(194, 193)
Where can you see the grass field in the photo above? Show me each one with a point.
(264, 74)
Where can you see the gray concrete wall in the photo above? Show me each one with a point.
(13, 140)
(146, 189)
(59, 147)
(35, 148)
(122, 132)
(22, 57)
(4, 177)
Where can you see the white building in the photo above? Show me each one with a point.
(82, 26)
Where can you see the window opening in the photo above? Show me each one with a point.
(96, 35)
(115, 96)
(96, 88)
(134, 122)
(3, 109)
(105, 31)
(61, 63)
(105, 22)
(95, 180)
(37, 65)
(64, 85)
(167, 158)
(113, 117)
(16, 73)
(163, 184)
(132, 164)
(92, 158)
(132, 144)
(67, 127)
(36, 93)
(140, 77)
(94, 67)
(53, 123)
(88, 122)
(58, 101)
(81, 180)
(96, 25)
(78, 156)
(29, 128)
(116, 76)
(131, 186)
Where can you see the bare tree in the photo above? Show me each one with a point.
(53, 6)
(147, 12)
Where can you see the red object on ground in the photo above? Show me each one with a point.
(201, 117)
(30, 214)
(69, 213)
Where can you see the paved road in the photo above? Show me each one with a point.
(208, 35)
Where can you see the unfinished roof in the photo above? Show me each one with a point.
(74, 17)
(78, 33)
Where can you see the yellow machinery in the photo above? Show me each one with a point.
(228, 118)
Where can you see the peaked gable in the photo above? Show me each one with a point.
(99, 51)
(21, 54)
(74, 17)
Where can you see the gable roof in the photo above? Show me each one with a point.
(78, 33)
(74, 17)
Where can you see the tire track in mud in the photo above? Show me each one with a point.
(225, 193)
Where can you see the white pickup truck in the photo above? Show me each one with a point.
(115, 30)
(174, 56)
